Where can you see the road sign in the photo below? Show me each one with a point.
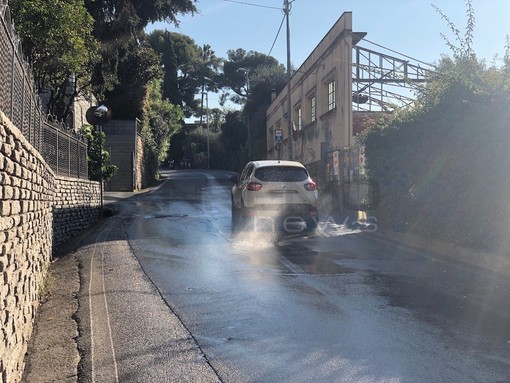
(278, 135)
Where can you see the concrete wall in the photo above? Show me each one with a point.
(124, 143)
(80, 106)
(37, 211)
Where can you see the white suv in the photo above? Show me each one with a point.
(276, 189)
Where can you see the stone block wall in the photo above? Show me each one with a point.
(27, 192)
(77, 206)
(34, 208)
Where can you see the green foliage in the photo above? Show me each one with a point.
(95, 42)
(188, 69)
(141, 67)
(196, 143)
(249, 78)
(233, 153)
(464, 49)
(161, 121)
(119, 26)
(264, 72)
(188, 144)
(57, 40)
(441, 165)
(98, 158)
(118, 18)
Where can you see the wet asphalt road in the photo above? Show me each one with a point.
(340, 306)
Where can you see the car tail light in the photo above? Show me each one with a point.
(311, 186)
(253, 186)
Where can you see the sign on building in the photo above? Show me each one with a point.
(336, 162)
(278, 135)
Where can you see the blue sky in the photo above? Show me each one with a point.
(412, 27)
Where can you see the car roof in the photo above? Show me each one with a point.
(263, 163)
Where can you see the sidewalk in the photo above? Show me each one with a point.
(52, 354)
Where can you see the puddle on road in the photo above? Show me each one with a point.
(159, 216)
(312, 262)
(270, 252)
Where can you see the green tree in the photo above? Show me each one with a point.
(136, 74)
(161, 121)
(57, 40)
(188, 69)
(119, 26)
(98, 158)
(187, 144)
(233, 152)
(261, 68)
(249, 78)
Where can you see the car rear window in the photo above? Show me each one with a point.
(281, 173)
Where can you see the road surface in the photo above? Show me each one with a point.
(177, 295)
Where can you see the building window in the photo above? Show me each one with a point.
(300, 119)
(331, 95)
(313, 108)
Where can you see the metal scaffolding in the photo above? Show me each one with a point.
(382, 82)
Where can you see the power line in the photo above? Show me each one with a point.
(401, 54)
(262, 6)
(277, 34)
(251, 4)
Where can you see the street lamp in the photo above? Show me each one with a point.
(207, 123)
(98, 116)
(247, 75)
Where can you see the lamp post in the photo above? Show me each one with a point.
(98, 116)
(207, 124)
(247, 76)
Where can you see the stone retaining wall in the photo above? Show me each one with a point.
(77, 206)
(37, 212)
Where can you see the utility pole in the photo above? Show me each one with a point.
(289, 103)
(205, 58)
(207, 124)
(247, 74)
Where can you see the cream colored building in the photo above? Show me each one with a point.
(321, 102)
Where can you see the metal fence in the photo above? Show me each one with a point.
(63, 149)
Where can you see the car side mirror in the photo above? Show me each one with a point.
(234, 179)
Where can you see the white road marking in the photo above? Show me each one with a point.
(102, 292)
